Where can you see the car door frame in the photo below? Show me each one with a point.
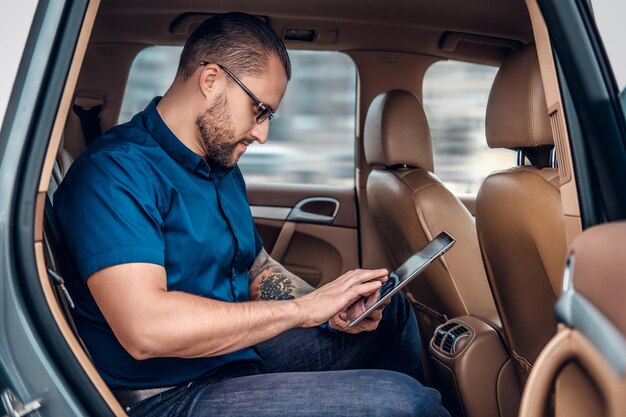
(596, 124)
(35, 357)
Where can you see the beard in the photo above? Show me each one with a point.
(217, 135)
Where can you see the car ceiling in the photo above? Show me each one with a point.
(411, 26)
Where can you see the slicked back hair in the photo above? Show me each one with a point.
(240, 42)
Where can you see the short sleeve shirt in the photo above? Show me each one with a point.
(138, 194)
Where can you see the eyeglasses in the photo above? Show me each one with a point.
(264, 111)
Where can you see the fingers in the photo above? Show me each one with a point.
(372, 298)
(376, 315)
(364, 326)
(341, 294)
(341, 322)
(362, 275)
(367, 288)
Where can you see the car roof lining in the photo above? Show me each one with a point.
(409, 27)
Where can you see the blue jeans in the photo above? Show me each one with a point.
(315, 372)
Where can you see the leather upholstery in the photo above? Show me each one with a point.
(599, 267)
(521, 230)
(397, 133)
(411, 206)
(519, 217)
(572, 373)
(517, 115)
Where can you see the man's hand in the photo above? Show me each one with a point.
(338, 295)
(342, 320)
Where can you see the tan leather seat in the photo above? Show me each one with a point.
(411, 206)
(518, 212)
(582, 370)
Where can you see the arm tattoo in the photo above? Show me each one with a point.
(269, 280)
(259, 264)
(276, 287)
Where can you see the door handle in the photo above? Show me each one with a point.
(320, 210)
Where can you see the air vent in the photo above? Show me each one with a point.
(441, 332)
(448, 335)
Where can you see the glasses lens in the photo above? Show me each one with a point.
(264, 114)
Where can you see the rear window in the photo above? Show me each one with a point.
(455, 101)
(311, 139)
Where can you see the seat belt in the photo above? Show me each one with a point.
(51, 237)
(88, 106)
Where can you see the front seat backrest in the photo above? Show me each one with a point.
(518, 211)
(411, 206)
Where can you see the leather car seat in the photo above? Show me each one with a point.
(411, 206)
(519, 218)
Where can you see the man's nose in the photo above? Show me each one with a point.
(260, 131)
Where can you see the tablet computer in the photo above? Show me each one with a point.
(405, 273)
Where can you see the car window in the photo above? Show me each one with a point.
(455, 101)
(609, 16)
(15, 19)
(311, 138)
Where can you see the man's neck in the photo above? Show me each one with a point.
(180, 118)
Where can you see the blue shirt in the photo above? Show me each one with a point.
(138, 194)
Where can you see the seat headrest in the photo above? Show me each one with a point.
(517, 115)
(396, 132)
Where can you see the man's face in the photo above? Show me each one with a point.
(217, 135)
(228, 126)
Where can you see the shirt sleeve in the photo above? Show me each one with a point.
(108, 210)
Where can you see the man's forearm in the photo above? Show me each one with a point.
(238, 325)
(150, 321)
(269, 280)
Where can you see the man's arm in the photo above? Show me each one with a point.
(150, 321)
(269, 280)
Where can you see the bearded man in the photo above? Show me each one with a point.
(179, 305)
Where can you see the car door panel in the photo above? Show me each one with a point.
(311, 230)
(587, 358)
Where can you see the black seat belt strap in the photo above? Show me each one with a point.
(88, 105)
(52, 238)
(89, 122)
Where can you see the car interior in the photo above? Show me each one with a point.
(492, 342)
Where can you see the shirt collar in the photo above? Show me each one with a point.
(187, 158)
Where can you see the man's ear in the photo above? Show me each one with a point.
(208, 78)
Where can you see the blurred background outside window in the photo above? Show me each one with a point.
(609, 16)
(455, 102)
(311, 138)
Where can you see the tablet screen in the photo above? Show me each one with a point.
(405, 273)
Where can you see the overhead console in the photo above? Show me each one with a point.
(472, 369)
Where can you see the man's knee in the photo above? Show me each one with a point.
(392, 393)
